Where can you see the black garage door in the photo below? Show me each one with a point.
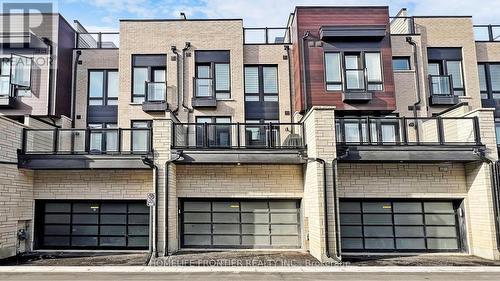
(240, 224)
(399, 226)
(92, 224)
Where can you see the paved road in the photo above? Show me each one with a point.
(216, 276)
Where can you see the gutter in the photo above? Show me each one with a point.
(50, 76)
(189, 110)
(335, 199)
(73, 93)
(165, 233)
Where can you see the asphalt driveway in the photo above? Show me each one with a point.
(78, 259)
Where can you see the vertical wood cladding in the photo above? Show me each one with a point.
(311, 19)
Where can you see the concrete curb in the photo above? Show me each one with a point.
(173, 269)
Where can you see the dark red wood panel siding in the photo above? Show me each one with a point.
(311, 19)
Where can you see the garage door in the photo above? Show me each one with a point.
(399, 226)
(92, 225)
(240, 224)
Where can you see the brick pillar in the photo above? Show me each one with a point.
(480, 214)
(319, 125)
(162, 128)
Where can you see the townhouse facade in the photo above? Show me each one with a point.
(346, 132)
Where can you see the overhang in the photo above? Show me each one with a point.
(332, 32)
(71, 162)
(423, 154)
(242, 156)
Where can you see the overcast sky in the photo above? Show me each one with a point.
(103, 15)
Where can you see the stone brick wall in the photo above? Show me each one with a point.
(16, 193)
(92, 184)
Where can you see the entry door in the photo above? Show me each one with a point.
(399, 226)
(240, 224)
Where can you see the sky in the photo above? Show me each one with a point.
(104, 15)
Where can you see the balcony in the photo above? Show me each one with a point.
(356, 87)
(88, 148)
(408, 139)
(266, 36)
(487, 33)
(156, 93)
(239, 142)
(204, 93)
(98, 40)
(441, 89)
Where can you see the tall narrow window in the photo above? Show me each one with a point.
(333, 72)
(140, 138)
(148, 70)
(103, 87)
(213, 74)
(483, 85)
(489, 80)
(5, 77)
(261, 83)
(373, 71)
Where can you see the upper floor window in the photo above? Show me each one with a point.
(401, 63)
(489, 80)
(147, 68)
(212, 74)
(15, 76)
(140, 138)
(445, 71)
(353, 71)
(103, 87)
(261, 83)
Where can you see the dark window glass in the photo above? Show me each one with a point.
(401, 63)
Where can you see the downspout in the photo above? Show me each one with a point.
(50, 76)
(153, 249)
(178, 98)
(290, 92)
(494, 191)
(165, 233)
(410, 41)
(303, 70)
(73, 93)
(335, 200)
(325, 203)
(189, 110)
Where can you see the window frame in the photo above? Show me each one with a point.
(150, 76)
(443, 68)
(406, 58)
(487, 76)
(213, 77)
(261, 94)
(361, 66)
(149, 124)
(105, 79)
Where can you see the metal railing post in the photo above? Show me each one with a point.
(267, 35)
(238, 134)
(55, 143)
(99, 38)
(477, 133)
(417, 131)
(404, 137)
(368, 130)
(490, 33)
(441, 136)
(24, 143)
(205, 134)
(120, 140)
(87, 140)
(269, 138)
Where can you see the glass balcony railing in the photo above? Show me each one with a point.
(487, 33)
(441, 85)
(87, 141)
(156, 91)
(266, 35)
(203, 88)
(407, 131)
(238, 135)
(355, 79)
(98, 40)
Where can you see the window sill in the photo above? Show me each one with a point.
(404, 71)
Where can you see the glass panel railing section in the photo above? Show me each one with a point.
(355, 80)
(39, 141)
(266, 35)
(440, 85)
(203, 87)
(98, 40)
(487, 33)
(459, 131)
(87, 141)
(156, 91)
(407, 131)
(238, 135)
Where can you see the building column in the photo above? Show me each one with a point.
(162, 130)
(481, 219)
(319, 125)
